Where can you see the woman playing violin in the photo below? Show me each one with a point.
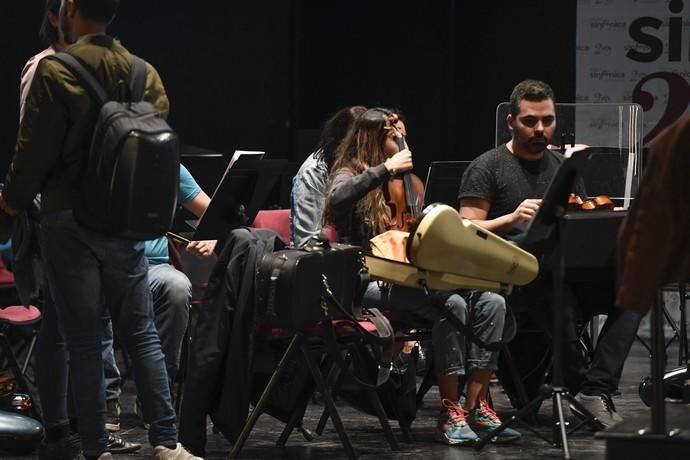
(367, 159)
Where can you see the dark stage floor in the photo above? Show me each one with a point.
(369, 443)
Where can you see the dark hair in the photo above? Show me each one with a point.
(47, 32)
(102, 11)
(529, 90)
(334, 131)
(362, 148)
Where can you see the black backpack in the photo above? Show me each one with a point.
(129, 181)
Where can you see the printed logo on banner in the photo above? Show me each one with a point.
(602, 49)
(636, 51)
(603, 123)
(683, 73)
(606, 75)
(636, 47)
(608, 24)
(599, 98)
(582, 49)
(636, 75)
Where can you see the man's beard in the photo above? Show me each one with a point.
(539, 147)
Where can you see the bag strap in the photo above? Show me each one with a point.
(380, 343)
(83, 75)
(273, 285)
(137, 77)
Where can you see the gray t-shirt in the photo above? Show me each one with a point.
(505, 181)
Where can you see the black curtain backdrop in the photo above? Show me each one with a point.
(265, 74)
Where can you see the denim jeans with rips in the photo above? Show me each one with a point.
(485, 311)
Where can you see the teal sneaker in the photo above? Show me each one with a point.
(483, 419)
(452, 427)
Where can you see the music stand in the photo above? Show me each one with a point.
(239, 196)
(443, 182)
(543, 237)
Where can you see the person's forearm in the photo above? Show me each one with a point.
(500, 225)
(348, 190)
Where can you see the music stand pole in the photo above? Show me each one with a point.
(558, 390)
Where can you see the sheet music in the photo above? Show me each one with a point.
(239, 157)
(245, 155)
(574, 148)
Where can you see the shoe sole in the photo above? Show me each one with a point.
(481, 432)
(453, 442)
(499, 439)
(112, 427)
(600, 425)
(125, 450)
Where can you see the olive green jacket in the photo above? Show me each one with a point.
(59, 117)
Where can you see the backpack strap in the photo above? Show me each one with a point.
(137, 79)
(83, 75)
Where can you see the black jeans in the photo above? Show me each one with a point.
(582, 301)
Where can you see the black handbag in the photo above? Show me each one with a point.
(290, 283)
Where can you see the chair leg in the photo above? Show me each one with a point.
(296, 341)
(18, 375)
(29, 353)
(383, 418)
(328, 400)
(404, 426)
(373, 400)
(295, 421)
(333, 381)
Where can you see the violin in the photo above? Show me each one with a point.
(598, 203)
(404, 195)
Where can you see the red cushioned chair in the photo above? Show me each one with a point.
(15, 318)
(277, 220)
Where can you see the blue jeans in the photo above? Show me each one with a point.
(52, 376)
(172, 294)
(486, 312)
(83, 267)
(111, 372)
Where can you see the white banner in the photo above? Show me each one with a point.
(635, 51)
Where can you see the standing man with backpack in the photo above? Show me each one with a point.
(85, 265)
(60, 440)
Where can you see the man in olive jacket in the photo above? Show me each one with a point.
(82, 266)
